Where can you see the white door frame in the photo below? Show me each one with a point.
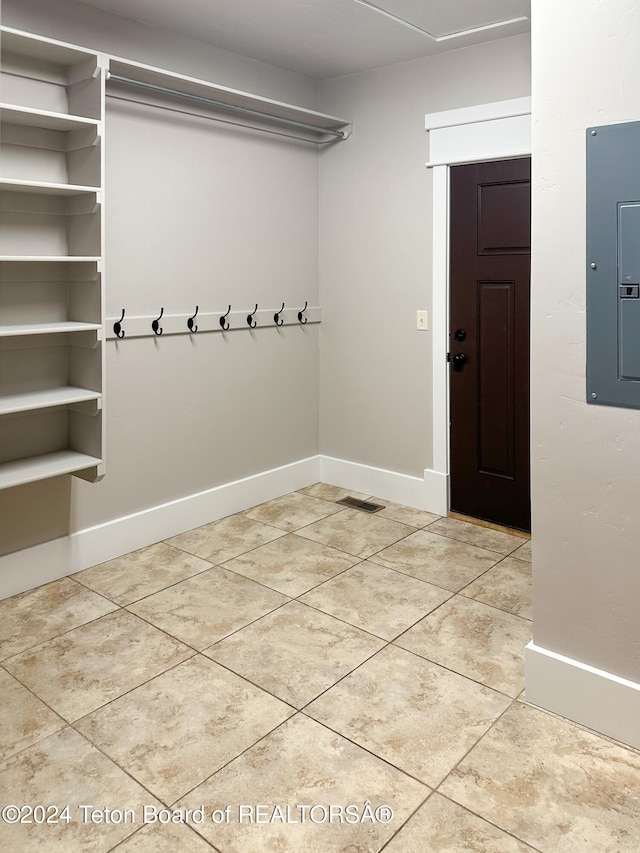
(497, 131)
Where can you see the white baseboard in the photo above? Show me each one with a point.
(592, 697)
(436, 492)
(428, 493)
(40, 564)
(58, 558)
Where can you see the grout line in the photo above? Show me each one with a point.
(169, 585)
(404, 823)
(147, 619)
(464, 757)
(121, 844)
(235, 757)
(490, 822)
(37, 646)
(342, 621)
(47, 706)
(471, 748)
(455, 672)
(366, 749)
(468, 544)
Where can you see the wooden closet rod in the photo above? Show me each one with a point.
(128, 81)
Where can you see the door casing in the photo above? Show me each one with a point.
(494, 131)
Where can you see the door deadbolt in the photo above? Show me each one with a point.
(459, 335)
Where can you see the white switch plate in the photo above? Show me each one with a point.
(422, 321)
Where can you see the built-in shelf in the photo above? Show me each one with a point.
(51, 317)
(44, 187)
(33, 400)
(35, 468)
(16, 330)
(41, 48)
(27, 117)
(52, 258)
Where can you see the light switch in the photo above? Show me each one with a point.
(423, 321)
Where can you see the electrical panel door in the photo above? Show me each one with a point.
(613, 265)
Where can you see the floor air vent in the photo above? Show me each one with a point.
(365, 506)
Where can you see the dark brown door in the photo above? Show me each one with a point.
(489, 341)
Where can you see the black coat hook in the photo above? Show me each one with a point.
(117, 327)
(302, 319)
(223, 319)
(190, 324)
(277, 319)
(156, 323)
(250, 321)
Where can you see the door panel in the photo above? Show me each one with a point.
(496, 390)
(489, 389)
(504, 221)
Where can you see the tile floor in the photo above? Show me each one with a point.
(299, 654)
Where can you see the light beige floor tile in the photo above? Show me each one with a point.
(39, 614)
(292, 511)
(203, 609)
(65, 770)
(24, 719)
(507, 586)
(141, 573)
(553, 785)
(222, 540)
(437, 560)
(410, 712)
(474, 534)
(303, 764)
(175, 731)
(296, 652)
(327, 492)
(405, 514)
(475, 640)
(376, 599)
(95, 663)
(165, 838)
(441, 826)
(292, 564)
(355, 532)
(523, 552)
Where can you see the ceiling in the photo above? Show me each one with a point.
(330, 38)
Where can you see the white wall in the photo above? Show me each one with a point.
(375, 249)
(586, 459)
(196, 213)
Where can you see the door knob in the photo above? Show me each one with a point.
(458, 360)
(459, 335)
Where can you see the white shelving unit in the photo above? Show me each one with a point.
(51, 259)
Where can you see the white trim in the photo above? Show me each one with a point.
(58, 558)
(481, 112)
(490, 139)
(428, 493)
(503, 155)
(436, 492)
(469, 135)
(440, 314)
(589, 696)
(40, 564)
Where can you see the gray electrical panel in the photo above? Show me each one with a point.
(613, 265)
